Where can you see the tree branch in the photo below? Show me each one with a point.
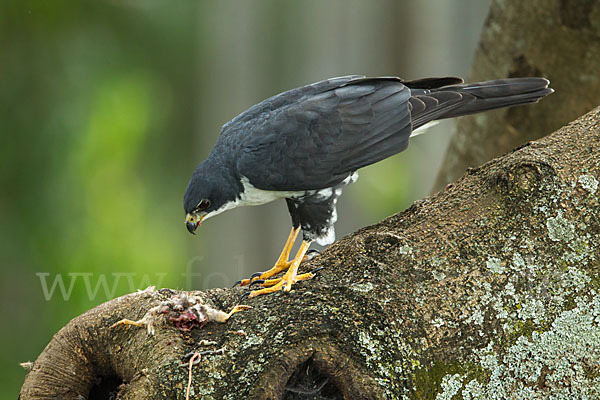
(452, 294)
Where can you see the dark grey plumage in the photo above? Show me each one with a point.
(308, 141)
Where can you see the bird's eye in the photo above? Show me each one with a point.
(203, 205)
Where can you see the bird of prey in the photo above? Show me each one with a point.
(306, 144)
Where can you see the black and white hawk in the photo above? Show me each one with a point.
(306, 144)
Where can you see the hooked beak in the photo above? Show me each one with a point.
(192, 222)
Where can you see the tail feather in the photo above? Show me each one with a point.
(499, 87)
(474, 97)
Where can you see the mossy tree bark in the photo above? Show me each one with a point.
(488, 288)
(557, 39)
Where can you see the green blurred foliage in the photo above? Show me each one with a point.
(92, 161)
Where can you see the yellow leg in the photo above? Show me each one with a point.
(234, 310)
(301, 277)
(290, 276)
(282, 262)
(140, 323)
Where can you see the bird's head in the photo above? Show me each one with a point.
(196, 214)
(207, 194)
(198, 202)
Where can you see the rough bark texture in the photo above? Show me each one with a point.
(487, 288)
(557, 39)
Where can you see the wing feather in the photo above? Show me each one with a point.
(323, 137)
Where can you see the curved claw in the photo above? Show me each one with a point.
(256, 282)
(250, 281)
(314, 271)
(245, 295)
(255, 275)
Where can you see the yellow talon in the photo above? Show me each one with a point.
(236, 309)
(141, 323)
(282, 262)
(290, 277)
(301, 277)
